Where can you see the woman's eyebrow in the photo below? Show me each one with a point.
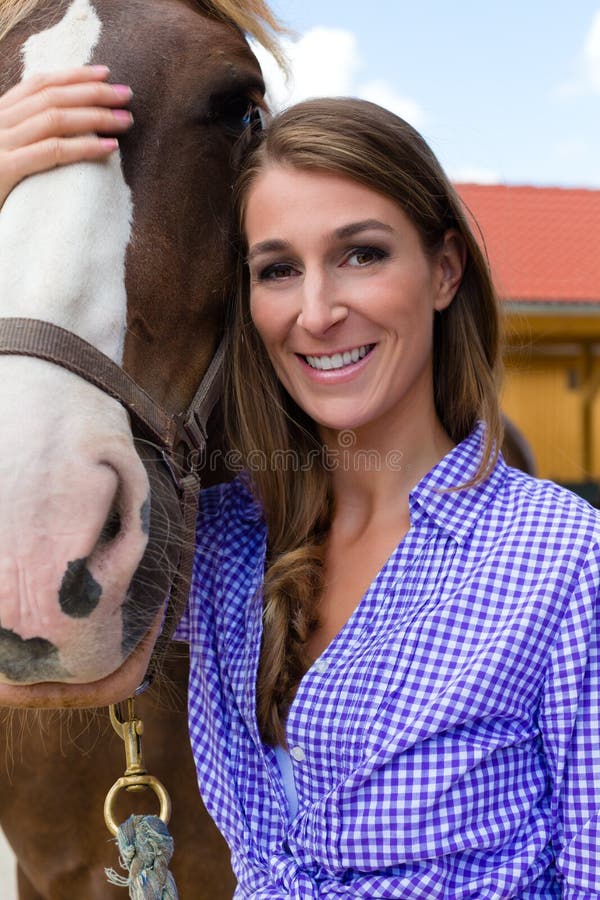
(273, 245)
(354, 228)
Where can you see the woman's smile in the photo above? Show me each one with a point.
(341, 359)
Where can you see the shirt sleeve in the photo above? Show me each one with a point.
(570, 722)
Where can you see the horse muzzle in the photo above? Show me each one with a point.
(74, 499)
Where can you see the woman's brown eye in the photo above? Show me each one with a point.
(276, 272)
(363, 256)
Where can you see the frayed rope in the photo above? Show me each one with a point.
(145, 848)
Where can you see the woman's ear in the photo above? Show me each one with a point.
(451, 261)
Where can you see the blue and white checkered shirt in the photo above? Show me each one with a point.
(447, 742)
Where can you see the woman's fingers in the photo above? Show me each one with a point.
(35, 83)
(90, 94)
(48, 154)
(62, 123)
(55, 152)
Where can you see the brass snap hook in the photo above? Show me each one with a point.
(130, 729)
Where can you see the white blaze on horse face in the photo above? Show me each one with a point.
(60, 259)
(68, 43)
(67, 459)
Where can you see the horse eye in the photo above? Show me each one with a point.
(253, 118)
(238, 113)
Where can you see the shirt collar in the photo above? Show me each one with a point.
(457, 511)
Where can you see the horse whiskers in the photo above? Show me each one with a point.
(22, 727)
(81, 729)
(168, 695)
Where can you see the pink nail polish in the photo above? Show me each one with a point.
(122, 114)
(100, 70)
(122, 90)
(109, 143)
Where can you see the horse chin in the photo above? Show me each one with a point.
(113, 688)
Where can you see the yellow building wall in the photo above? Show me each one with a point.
(552, 392)
(595, 427)
(538, 399)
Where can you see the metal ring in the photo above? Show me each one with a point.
(146, 683)
(127, 781)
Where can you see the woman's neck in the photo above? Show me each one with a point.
(375, 468)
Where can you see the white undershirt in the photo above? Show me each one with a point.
(287, 776)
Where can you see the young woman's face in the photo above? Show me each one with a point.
(343, 296)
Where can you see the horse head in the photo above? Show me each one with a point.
(131, 255)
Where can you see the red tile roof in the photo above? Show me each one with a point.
(543, 243)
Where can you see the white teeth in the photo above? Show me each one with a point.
(338, 360)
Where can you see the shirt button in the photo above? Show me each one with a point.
(320, 665)
(297, 753)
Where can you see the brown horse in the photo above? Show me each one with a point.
(516, 449)
(132, 256)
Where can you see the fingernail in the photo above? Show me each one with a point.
(122, 114)
(100, 70)
(122, 90)
(109, 143)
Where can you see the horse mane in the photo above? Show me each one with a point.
(14, 11)
(253, 17)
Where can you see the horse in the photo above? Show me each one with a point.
(132, 257)
(516, 448)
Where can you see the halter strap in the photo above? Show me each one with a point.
(44, 340)
(181, 437)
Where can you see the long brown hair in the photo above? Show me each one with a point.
(373, 147)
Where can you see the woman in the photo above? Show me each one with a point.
(394, 636)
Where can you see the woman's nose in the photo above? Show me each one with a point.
(321, 306)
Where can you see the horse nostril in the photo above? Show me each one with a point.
(111, 527)
(79, 592)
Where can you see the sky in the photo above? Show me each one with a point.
(504, 92)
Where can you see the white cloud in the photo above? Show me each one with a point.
(322, 63)
(587, 76)
(591, 54)
(326, 62)
(474, 175)
(381, 92)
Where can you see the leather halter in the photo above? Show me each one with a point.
(181, 437)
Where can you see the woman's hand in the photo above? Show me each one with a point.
(59, 118)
